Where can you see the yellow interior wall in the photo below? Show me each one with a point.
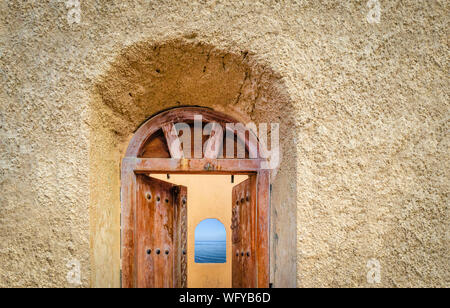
(209, 196)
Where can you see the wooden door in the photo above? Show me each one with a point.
(180, 238)
(161, 225)
(244, 234)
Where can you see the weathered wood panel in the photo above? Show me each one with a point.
(128, 193)
(244, 255)
(172, 140)
(154, 232)
(236, 239)
(185, 115)
(213, 145)
(263, 218)
(180, 237)
(205, 166)
(156, 146)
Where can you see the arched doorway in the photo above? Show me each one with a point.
(154, 211)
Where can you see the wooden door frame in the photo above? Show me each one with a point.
(133, 165)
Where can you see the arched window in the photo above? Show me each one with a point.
(210, 242)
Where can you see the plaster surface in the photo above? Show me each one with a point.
(363, 109)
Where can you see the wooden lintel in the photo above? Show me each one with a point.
(204, 166)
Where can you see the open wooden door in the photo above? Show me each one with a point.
(161, 240)
(244, 234)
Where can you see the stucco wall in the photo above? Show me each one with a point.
(363, 108)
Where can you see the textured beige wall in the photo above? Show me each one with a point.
(364, 108)
(209, 196)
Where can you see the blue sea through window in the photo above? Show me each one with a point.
(210, 242)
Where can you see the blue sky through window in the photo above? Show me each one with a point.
(210, 230)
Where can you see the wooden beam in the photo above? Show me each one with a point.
(214, 143)
(128, 196)
(194, 166)
(173, 142)
(262, 231)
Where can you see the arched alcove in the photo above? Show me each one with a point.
(148, 78)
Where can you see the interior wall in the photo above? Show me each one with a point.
(209, 196)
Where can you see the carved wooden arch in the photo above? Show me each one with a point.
(136, 162)
(183, 115)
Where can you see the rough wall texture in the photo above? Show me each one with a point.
(364, 108)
